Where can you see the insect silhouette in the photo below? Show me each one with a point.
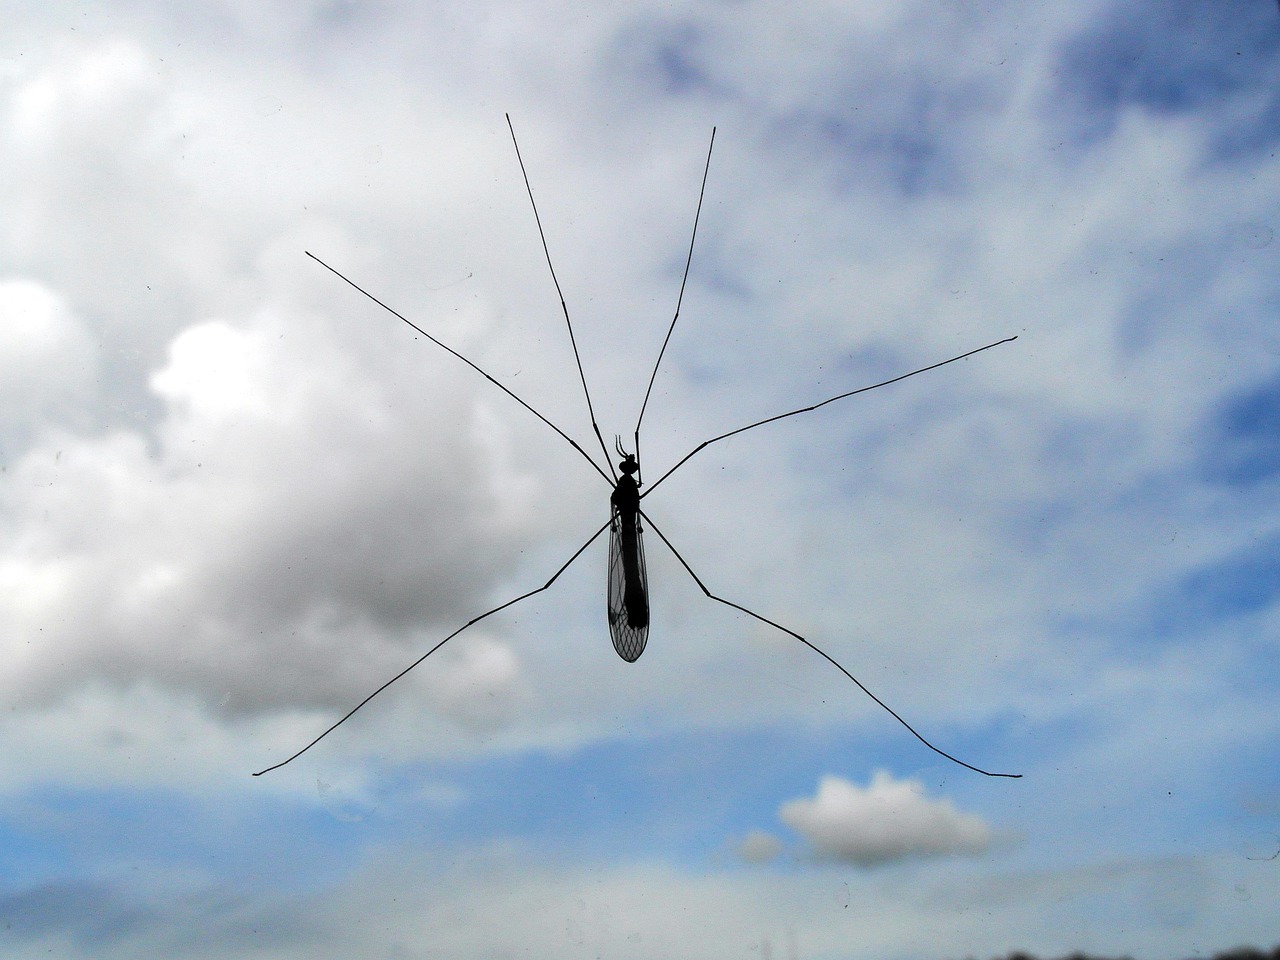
(628, 593)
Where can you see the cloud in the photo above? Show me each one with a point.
(392, 906)
(46, 359)
(887, 821)
(759, 847)
(245, 521)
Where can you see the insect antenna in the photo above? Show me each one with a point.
(395, 313)
(680, 299)
(822, 653)
(792, 413)
(488, 613)
(563, 307)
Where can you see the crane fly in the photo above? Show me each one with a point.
(628, 590)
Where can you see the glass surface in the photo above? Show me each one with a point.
(237, 495)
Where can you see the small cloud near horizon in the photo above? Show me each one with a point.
(887, 821)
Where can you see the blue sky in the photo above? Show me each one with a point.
(236, 496)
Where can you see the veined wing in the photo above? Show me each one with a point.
(628, 588)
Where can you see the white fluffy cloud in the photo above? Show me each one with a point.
(195, 553)
(46, 359)
(885, 821)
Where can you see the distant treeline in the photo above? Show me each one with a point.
(1240, 953)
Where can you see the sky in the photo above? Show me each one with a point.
(236, 496)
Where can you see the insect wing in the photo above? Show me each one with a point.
(628, 615)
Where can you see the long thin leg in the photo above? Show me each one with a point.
(395, 313)
(680, 299)
(474, 620)
(792, 413)
(751, 613)
(572, 340)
